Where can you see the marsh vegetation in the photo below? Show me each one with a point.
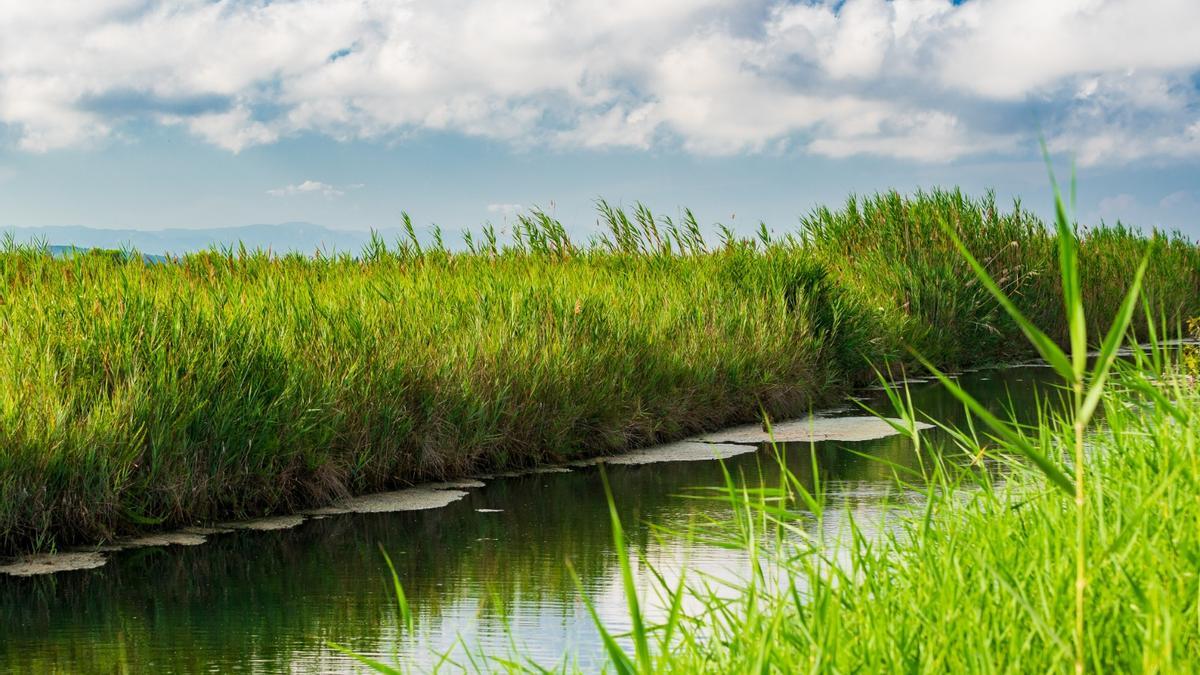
(230, 384)
(1061, 537)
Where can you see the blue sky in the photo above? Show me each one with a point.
(142, 114)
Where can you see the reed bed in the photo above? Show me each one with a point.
(233, 383)
(1069, 545)
(979, 576)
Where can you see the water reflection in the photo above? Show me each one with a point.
(488, 570)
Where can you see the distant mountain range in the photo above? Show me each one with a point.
(282, 238)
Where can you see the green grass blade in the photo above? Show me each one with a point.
(619, 658)
(406, 615)
(1112, 342)
(1040, 341)
(640, 642)
(1005, 432)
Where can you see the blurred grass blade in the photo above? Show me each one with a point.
(1040, 341)
(620, 660)
(640, 642)
(1005, 432)
(1112, 343)
(406, 615)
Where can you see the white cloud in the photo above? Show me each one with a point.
(505, 210)
(312, 187)
(1178, 198)
(1010, 48)
(1117, 205)
(922, 136)
(233, 130)
(922, 80)
(1172, 211)
(1114, 141)
(858, 45)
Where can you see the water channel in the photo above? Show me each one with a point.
(484, 573)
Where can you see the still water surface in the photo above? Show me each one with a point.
(485, 572)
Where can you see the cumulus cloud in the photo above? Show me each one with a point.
(312, 187)
(1117, 205)
(923, 80)
(505, 211)
(1177, 199)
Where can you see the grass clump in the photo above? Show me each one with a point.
(234, 383)
(981, 579)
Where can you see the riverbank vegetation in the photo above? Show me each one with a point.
(1067, 545)
(238, 383)
(979, 576)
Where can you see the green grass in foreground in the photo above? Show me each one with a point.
(982, 576)
(231, 384)
(1071, 545)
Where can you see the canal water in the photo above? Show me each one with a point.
(487, 573)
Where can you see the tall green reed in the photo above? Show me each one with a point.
(232, 383)
(1060, 438)
(1086, 387)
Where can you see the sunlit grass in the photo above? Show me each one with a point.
(1077, 550)
(235, 383)
(1081, 555)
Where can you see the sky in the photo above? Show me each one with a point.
(216, 113)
